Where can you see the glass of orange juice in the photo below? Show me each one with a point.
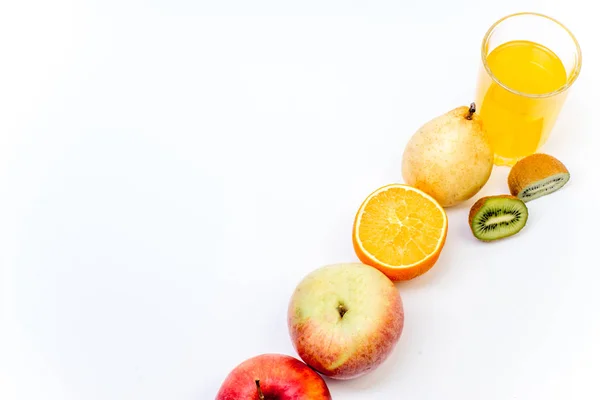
(529, 62)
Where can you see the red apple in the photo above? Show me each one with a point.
(345, 319)
(273, 377)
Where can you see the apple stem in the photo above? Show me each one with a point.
(342, 310)
(261, 396)
(472, 110)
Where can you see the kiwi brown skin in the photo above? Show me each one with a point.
(532, 169)
(480, 203)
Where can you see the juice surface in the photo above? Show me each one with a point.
(518, 124)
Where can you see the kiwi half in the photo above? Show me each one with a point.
(497, 217)
(537, 175)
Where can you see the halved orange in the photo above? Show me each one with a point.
(400, 230)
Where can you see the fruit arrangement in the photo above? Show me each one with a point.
(345, 319)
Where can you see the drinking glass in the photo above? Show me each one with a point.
(529, 62)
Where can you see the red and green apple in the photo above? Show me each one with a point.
(273, 377)
(345, 319)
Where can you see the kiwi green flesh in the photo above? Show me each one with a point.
(499, 218)
(544, 187)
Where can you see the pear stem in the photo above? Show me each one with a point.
(261, 396)
(472, 110)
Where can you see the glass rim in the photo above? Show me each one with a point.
(567, 85)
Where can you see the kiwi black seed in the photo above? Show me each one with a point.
(497, 217)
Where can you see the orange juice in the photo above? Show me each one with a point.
(516, 100)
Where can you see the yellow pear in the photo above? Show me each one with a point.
(449, 157)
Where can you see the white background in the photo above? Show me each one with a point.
(171, 169)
